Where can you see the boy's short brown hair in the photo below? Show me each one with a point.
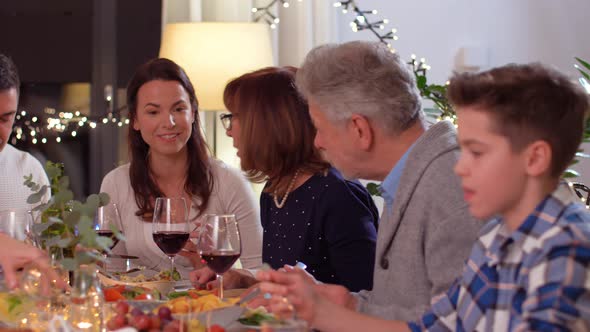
(528, 103)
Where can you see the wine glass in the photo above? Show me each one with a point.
(170, 225)
(219, 244)
(14, 224)
(107, 219)
(33, 238)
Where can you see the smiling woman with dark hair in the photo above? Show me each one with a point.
(169, 158)
(309, 212)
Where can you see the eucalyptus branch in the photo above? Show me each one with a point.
(65, 223)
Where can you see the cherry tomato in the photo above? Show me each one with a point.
(216, 328)
(111, 295)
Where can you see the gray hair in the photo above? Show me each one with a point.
(364, 78)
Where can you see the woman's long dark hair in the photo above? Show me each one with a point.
(199, 181)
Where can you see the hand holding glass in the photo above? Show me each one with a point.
(219, 244)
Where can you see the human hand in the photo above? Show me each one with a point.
(201, 277)
(291, 291)
(300, 266)
(234, 278)
(17, 254)
(336, 294)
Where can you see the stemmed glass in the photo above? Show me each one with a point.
(170, 225)
(106, 219)
(220, 244)
(14, 224)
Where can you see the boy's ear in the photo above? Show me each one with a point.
(538, 158)
(361, 130)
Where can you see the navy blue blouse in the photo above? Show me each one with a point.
(328, 223)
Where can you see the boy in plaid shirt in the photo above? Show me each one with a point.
(519, 127)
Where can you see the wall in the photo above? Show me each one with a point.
(509, 31)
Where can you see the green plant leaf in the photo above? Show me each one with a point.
(104, 243)
(86, 257)
(104, 199)
(69, 264)
(118, 232)
(583, 63)
(63, 197)
(72, 218)
(64, 182)
(41, 227)
(584, 74)
(570, 173)
(53, 170)
(13, 302)
(53, 241)
(373, 189)
(64, 243)
(421, 82)
(92, 203)
(36, 197)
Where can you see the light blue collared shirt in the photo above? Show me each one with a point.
(389, 185)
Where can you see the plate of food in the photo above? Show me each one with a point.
(130, 292)
(163, 282)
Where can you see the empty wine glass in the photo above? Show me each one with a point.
(14, 224)
(220, 244)
(33, 217)
(106, 220)
(170, 226)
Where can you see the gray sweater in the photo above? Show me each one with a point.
(425, 238)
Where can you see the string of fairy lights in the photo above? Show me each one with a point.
(56, 126)
(368, 21)
(265, 13)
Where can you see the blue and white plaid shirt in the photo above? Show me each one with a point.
(535, 278)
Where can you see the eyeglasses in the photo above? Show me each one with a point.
(226, 120)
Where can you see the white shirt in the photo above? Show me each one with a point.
(14, 166)
(231, 194)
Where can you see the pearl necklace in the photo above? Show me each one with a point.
(291, 184)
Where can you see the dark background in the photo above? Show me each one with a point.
(52, 43)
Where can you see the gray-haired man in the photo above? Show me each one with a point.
(365, 105)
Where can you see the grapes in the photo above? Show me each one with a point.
(165, 313)
(136, 312)
(122, 307)
(143, 322)
(155, 322)
(117, 322)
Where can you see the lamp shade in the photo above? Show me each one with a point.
(213, 53)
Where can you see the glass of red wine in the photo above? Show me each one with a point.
(170, 225)
(106, 220)
(219, 244)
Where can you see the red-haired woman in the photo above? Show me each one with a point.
(309, 212)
